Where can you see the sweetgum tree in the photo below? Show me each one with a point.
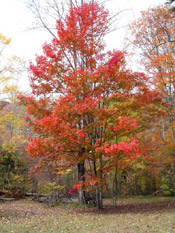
(84, 102)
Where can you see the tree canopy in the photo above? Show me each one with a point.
(85, 105)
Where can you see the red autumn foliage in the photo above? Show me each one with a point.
(85, 100)
(73, 190)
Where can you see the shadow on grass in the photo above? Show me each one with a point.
(135, 208)
(18, 209)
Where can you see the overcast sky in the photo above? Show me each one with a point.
(16, 19)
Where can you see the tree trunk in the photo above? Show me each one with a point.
(100, 204)
(99, 198)
(81, 178)
(115, 188)
(135, 185)
(35, 184)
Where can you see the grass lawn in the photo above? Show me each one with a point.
(131, 215)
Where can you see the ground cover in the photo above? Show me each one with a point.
(131, 215)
